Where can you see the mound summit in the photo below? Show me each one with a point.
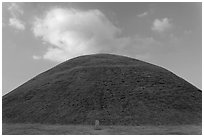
(114, 89)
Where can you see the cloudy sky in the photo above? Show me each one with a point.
(38, 36)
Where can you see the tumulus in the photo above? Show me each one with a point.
(115, 90)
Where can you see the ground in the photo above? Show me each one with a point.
(43, 129)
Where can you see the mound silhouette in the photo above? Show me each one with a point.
(113, 89)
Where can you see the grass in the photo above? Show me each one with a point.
(116, 90)
(43, 129)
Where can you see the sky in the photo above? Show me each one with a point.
(39, 36)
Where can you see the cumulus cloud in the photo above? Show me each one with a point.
(16, 12)
(71, 32)
(161, 25)
(143, 14)
(36, 57)
(16, 23)
(15, 9)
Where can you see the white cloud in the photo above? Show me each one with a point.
(70, 33)
(161, 25)
(143, 14)
(16, 11)
(36, 57)
(73, 32)
(15, 23)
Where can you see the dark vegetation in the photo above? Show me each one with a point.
(116, 90)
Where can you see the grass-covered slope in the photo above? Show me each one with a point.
(113, 89)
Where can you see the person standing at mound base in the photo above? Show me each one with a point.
(97, 125)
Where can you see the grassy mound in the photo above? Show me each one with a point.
(113, 89)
